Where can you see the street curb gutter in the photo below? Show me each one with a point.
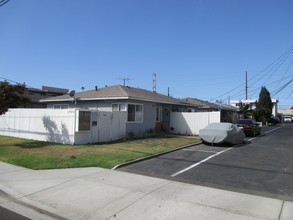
(152, 156)
(29, 206)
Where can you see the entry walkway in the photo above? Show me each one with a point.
(95, 193)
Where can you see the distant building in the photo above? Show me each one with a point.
(46, 92)
(286, 112)
(228, 113)
(252, 105)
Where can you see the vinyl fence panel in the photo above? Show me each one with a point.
(108, 126)
(39, 124)
(190, 123)
(64, 125)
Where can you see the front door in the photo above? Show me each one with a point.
(166, 119)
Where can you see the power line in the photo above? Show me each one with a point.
(12, 81)
(3, 2)
(282, 87)
(227, 92)
(289, 66)
(272, 68)
(275, 65)
(9, 80)
(272, 65)
(278, 67)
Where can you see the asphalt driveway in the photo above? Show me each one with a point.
(261, 166)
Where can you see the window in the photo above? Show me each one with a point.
(159, 114)
(131, 112)
(138, 112)
(135, 113)
(84, 120)
(61, 106)
(118, 107)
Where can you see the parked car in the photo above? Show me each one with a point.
(249, 126)
(287, 119)
(274, 120)
(217, 133)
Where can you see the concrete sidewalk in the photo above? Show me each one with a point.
(95, 193)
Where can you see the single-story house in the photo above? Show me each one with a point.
(228, 113)
(145, 109)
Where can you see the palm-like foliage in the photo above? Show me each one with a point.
(245, 110)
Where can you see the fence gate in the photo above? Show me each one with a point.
(108, 126)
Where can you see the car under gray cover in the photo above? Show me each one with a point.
(216, 133)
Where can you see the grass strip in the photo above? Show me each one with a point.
(44, 155)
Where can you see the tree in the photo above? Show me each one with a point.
(264, 105)
(11, 96)
(244, 109)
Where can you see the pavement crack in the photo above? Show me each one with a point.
(280, 215)
(142, 197)
(238, 212)
(51, 187)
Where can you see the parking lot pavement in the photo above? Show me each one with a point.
(168, 165)
(260, 166)
(177, 162)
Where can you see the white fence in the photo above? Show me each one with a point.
(59, 126)
(189, 123)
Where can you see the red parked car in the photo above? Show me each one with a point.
(249, 127)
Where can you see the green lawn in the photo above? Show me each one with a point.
(43, 155)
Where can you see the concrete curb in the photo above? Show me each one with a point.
(152, 156)
(27, 206)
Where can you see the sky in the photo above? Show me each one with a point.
(197, 48)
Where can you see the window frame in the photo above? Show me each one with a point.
(159, 114)
(137, 114)
(121, 107)
(61, 106)
(83, 121)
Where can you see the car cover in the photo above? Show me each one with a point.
(222, 132)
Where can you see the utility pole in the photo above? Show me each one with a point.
(246, 87)
(154, 82)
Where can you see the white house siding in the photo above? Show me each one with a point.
(251, 102)
(190, 123)
(139, 128)
(149, 120)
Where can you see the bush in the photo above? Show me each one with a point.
(131, 134)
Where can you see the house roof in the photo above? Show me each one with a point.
(209, 105)
(118, 92)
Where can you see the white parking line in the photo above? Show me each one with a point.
(205, 151)
(265, 133)
(200, 162)
(210, 157)
(272, 130)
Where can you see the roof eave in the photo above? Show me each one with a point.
(57, 100)
(83, 99)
